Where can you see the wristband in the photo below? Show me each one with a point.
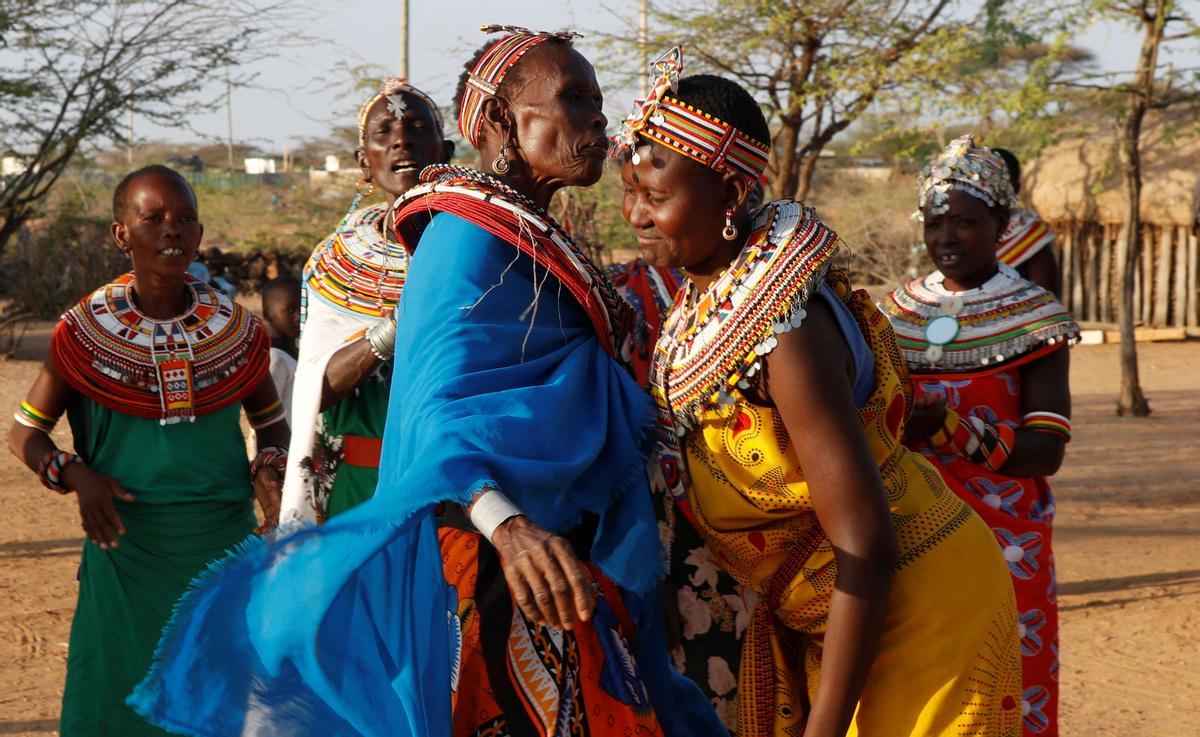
(273, 456)
(31, 416)
(490, 510)
(51, 468)
(268, 415)
(1048, 422)
(381, 337)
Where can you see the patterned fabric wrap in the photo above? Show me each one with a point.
(447, 188)
(753, 507)
(686, 129)
(651, 292)
(1020, 513)
(211, 356)
(515, 677)
(391, 87)
(968, 167)
(485, 77)
(1025, 236)
(1006, 320)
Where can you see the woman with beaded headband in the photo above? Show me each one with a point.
(497, 579)
(153, 371)
(879, 604)
(352, 284)
(1027, 244)
(987, 352)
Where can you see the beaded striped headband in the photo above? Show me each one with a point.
(686, 129)
(392, 89)
(485, 77)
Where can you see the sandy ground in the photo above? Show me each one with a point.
(1127, 548)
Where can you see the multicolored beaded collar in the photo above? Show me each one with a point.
(507, 214)
(1007, 321)
(357, 270)
(686, 129)
(485, 77)
(211, 356)
(714, 341)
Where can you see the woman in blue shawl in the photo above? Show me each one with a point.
(516, 425)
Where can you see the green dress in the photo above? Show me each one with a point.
(363, 413)
(193, 502)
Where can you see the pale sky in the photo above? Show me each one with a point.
(294, 105)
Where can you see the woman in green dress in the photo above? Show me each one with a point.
(152, 370)
(352, 284)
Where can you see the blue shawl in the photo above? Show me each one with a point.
(343, 629)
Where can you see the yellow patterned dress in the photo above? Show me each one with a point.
(948, 661)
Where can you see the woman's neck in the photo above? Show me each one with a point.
(159, 297)
(723, 254)
(974, 281)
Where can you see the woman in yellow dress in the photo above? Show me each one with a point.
(882, 605)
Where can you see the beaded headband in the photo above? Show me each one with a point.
(686, 129)
(967, 167)
(394, 89)
(485, 77)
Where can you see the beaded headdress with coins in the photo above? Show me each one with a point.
(485, 77)
(687, 129)
(394, 89)
(967, 167)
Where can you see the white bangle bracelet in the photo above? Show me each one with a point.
(490, 510)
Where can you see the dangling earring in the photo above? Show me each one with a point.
(500, 164)
(730, 232)
(359, 194)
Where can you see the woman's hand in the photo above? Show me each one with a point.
(928, 416)
(544, 576)
(268, 490)
(95, 493)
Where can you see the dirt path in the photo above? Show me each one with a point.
(1127, 544)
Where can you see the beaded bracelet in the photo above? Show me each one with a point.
(1048, 422)
(272, 456)
(975, 440)
(32, 417)
(50, 470)
(381, 338)
(265, 416)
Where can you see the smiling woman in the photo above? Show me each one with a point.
(152, 371)
(503, 577)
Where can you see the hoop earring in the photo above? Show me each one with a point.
(500, 164)
(730, 231)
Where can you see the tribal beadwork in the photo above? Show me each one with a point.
(394, 88)
(1004, 321)
(485, 77)
(967, 167)
(1024, 237)
(510, 215)
(686, 129)
(211, 356)
(358, 270)
(714, 341)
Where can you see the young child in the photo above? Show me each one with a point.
(281, 313)
(153, 371)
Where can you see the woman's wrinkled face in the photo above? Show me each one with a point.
(962, 241)
(677, 209)
(560, 124)
(395, 149)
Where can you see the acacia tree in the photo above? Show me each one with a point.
(820, 65)
(1152, 86)
(72, 69)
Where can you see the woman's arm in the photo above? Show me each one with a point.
(271, 432)
(807, 379)
(347, 368)
(94, 491)
(1045, 387)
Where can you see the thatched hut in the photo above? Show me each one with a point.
(1077, 188)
